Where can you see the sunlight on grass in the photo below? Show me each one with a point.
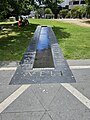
(1, 23)
(74, 40)
(14, 41)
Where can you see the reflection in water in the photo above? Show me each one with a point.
(43, 58)
(43, 42)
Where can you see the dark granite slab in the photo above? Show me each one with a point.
(27, 74)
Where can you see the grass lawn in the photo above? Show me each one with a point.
(14, 40)
(74, 40)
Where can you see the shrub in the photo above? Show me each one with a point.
(75, 12)
(78, 11)
(68, 14)
(63, 13)
(48, 11)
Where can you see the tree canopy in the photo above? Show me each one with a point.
(53, 5)
(15, 7)
(18, 7)
(88, 6)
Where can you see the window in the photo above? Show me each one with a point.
(82, 2)
(75, 2)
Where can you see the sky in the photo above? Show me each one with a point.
(65, 2)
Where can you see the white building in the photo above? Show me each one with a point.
(66, 2)
(72, 3)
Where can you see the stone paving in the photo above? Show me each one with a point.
(46, 101)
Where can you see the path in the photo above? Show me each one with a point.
(46, 101)
(81, 22)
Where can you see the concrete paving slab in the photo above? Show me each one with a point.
(26, 102)
(10, 99)
(5, 77)
(6, 90)
(84, 88)
(77, 94)
(53, 98)
(22, 116)
(46, 117)
(9, 63)
(82, 75)
(65, 101)
(79, 62)
(70, 115)
(0, 117)
(45, 93)
(66, 107)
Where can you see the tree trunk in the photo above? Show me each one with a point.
(56, 15)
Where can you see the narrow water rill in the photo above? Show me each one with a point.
(43, 58)
(43, 62)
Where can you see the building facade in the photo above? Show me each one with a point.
(72, 3)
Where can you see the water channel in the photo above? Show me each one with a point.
(43, 58)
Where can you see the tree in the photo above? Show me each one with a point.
(48, 11)
(53, 5)
(4, 6)
(88, 6)
(68, 14)
(83, 11)
(40, 1)
(20, 7)
(75, 12)
(63, 13)
(78, 11)
(15, 7)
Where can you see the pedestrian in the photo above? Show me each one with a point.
(20, 22)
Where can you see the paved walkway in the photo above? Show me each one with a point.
(80, 22)
(46, 101)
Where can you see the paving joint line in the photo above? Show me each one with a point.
(83, 99)
(39, 101)
(10, 99)
(71, 67)
(7, 68)
(79, 67)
